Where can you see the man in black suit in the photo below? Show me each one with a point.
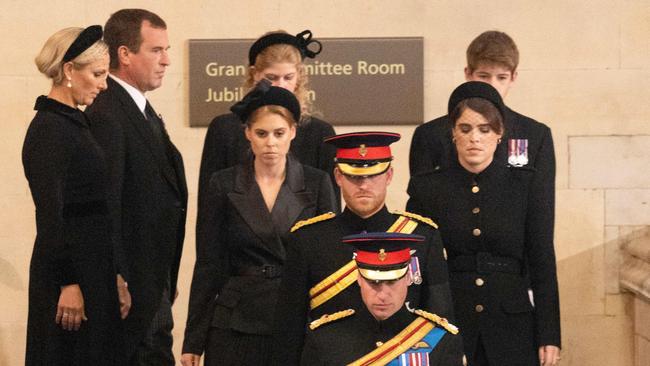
(148, 192)
(492, 57)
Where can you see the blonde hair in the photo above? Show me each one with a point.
(49, 60)
(283, 53)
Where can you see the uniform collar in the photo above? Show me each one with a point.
(389, 327)
(354, 224)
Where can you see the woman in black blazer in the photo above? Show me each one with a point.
(277, 57)
(73, 305)
(497, 227)
(242, 228)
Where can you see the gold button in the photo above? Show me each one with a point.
(379, 344)
(479, 282)
(475, 189)
(479, 308)
(476, 232)
(476, 210)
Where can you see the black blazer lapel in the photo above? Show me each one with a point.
(247, 199)
(140, 123)
(293, 198)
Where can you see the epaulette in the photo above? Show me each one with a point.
(328, 318)
(315, 219)
(420, 218)
(437, 320)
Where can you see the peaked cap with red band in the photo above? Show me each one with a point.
(363, 153)
(383, 256)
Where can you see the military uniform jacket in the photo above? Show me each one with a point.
(346, 340)
(226, 145)
(236, 234)
(147, 203)
(432, 147)
(315, 252)
(67, 176)
(498, 213)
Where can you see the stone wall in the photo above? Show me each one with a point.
(584, 71)
(635, 277)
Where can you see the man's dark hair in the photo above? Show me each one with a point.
(123, 29)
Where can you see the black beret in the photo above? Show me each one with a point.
(84, 40)
(476, 89)
(301, 41)
(266, 94)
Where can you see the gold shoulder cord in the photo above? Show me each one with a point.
(328, 318)
(315, 219)
(420, 218)
(437, 320)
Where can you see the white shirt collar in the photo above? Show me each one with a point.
(138, 97)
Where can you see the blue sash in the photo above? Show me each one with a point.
(418, 355)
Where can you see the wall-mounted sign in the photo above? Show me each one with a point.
(354, 81)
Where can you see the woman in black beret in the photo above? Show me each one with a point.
(497, 229)
(242, 227)
(278, 57)
(73, 304)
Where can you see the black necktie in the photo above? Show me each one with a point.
(156, 124)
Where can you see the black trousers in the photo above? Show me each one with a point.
(156, 347)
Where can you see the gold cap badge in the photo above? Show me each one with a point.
(363, 150)
(382, 255)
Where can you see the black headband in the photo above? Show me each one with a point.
(265, 94)
(84, 40)
(476, 89)
(301, 41)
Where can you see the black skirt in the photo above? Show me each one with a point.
(226, 347)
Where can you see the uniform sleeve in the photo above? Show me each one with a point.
(46, 157)
(545, 172)
(436, 296)
(311, 355)
(448, 352)
(109, 134)
(540, 255)
(293, 306)
(212, 267)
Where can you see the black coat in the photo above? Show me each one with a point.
(431, 146)
(346, 340)
(147, 203)
(226, 145)
(67, 176)
(514, 246)
(315, 251)
(236, 235)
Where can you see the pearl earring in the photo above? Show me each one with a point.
(69, 85)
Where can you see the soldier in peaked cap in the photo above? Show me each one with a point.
(320, 275)
(385, 330)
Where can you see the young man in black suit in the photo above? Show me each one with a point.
(148, 192)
